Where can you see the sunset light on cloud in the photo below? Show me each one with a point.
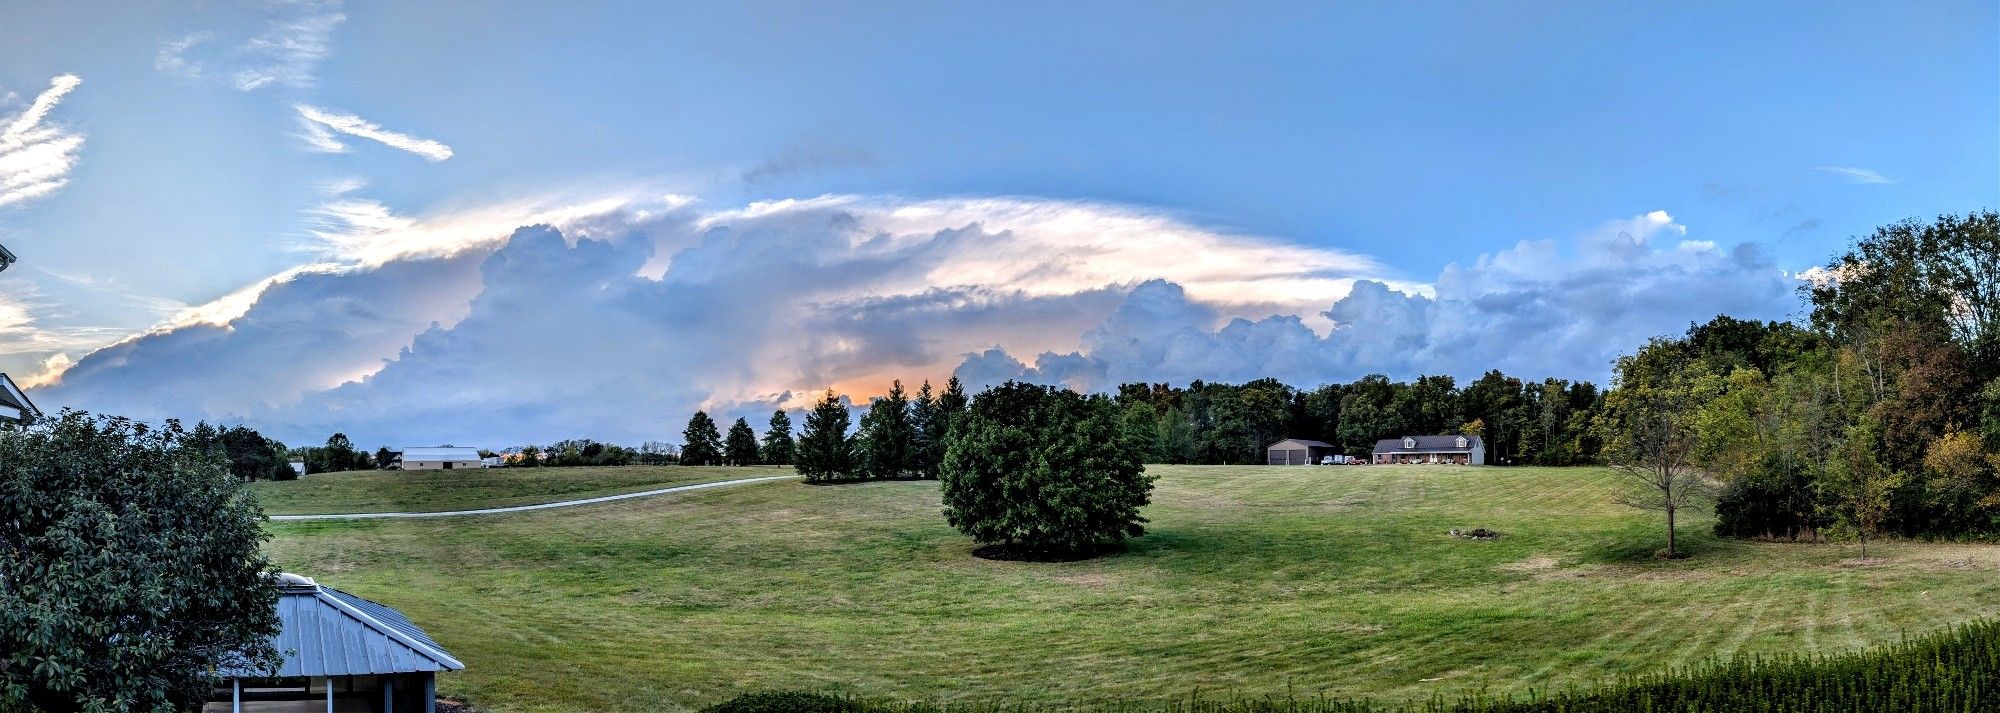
(702, 236)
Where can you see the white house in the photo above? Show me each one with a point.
(438, 458)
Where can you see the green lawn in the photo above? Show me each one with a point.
(1252, 580)
(435, 490)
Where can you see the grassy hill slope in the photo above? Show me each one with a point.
(1252, 581)
(465, 489)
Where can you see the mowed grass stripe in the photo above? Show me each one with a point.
(1251, 581)
(365, 491)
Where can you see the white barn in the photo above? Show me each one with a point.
(438, 458)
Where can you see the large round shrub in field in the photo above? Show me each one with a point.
(1043, 473)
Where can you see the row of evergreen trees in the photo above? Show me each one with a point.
(899, 437)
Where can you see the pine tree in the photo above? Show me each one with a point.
(741, 446)
(825, 452)
(779, 448)
(951, 406)
(923, 411)
(886, 436)
(703, 444)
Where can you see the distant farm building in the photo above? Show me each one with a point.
(342, 650)
(1460, 450)
(298, 468)
(439, 458)
(14, 404)
(1298, 451)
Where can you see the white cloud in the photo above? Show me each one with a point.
(641, 309)
(615, 318)
(36, 158)
(295, 37)
(1854, 174)
(291, 45)
(1530, 310)
(318, 122)
(172, 57)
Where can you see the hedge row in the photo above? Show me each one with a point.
(1955, 670)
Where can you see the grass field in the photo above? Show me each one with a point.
(1251, 581)
(435, 490)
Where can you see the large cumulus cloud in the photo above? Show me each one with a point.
(1539, 308)
(615, 319)
(617, 322)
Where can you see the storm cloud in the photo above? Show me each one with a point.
(617, 322)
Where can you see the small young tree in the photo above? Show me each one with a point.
(1650, 436)
(740, 447)
(778, 448)
(825, 451)
(384, 456)
(886, 437)
(1858, 488)
(702, 444)
(1043, 472)
(129, 569)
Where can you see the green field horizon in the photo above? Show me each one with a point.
(1251, 581)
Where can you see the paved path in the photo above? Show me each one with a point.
(525, 508)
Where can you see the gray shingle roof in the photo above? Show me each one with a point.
(328, 632)
(1302, 442)
(1427, 444)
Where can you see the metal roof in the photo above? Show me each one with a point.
(440, 453)
(14, 404)
(1303, 442)
(1427, 444)
(328, 632)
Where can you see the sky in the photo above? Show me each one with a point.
(496, 223)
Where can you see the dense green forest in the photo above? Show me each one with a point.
(1523, 422)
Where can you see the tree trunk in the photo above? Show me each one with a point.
(1670, 534)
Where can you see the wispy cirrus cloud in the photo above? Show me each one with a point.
(35, 157)
(296, 36)
(1855, 174)
(320, 125)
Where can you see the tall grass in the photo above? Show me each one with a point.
(1952, 671)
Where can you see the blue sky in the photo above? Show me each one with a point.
(1395, 143)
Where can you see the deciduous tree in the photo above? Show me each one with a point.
(129, 569)
(1043, 472)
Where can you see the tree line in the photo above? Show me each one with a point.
(1522, 422)
(1880, 414)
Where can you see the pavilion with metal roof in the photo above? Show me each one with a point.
(352, 653)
